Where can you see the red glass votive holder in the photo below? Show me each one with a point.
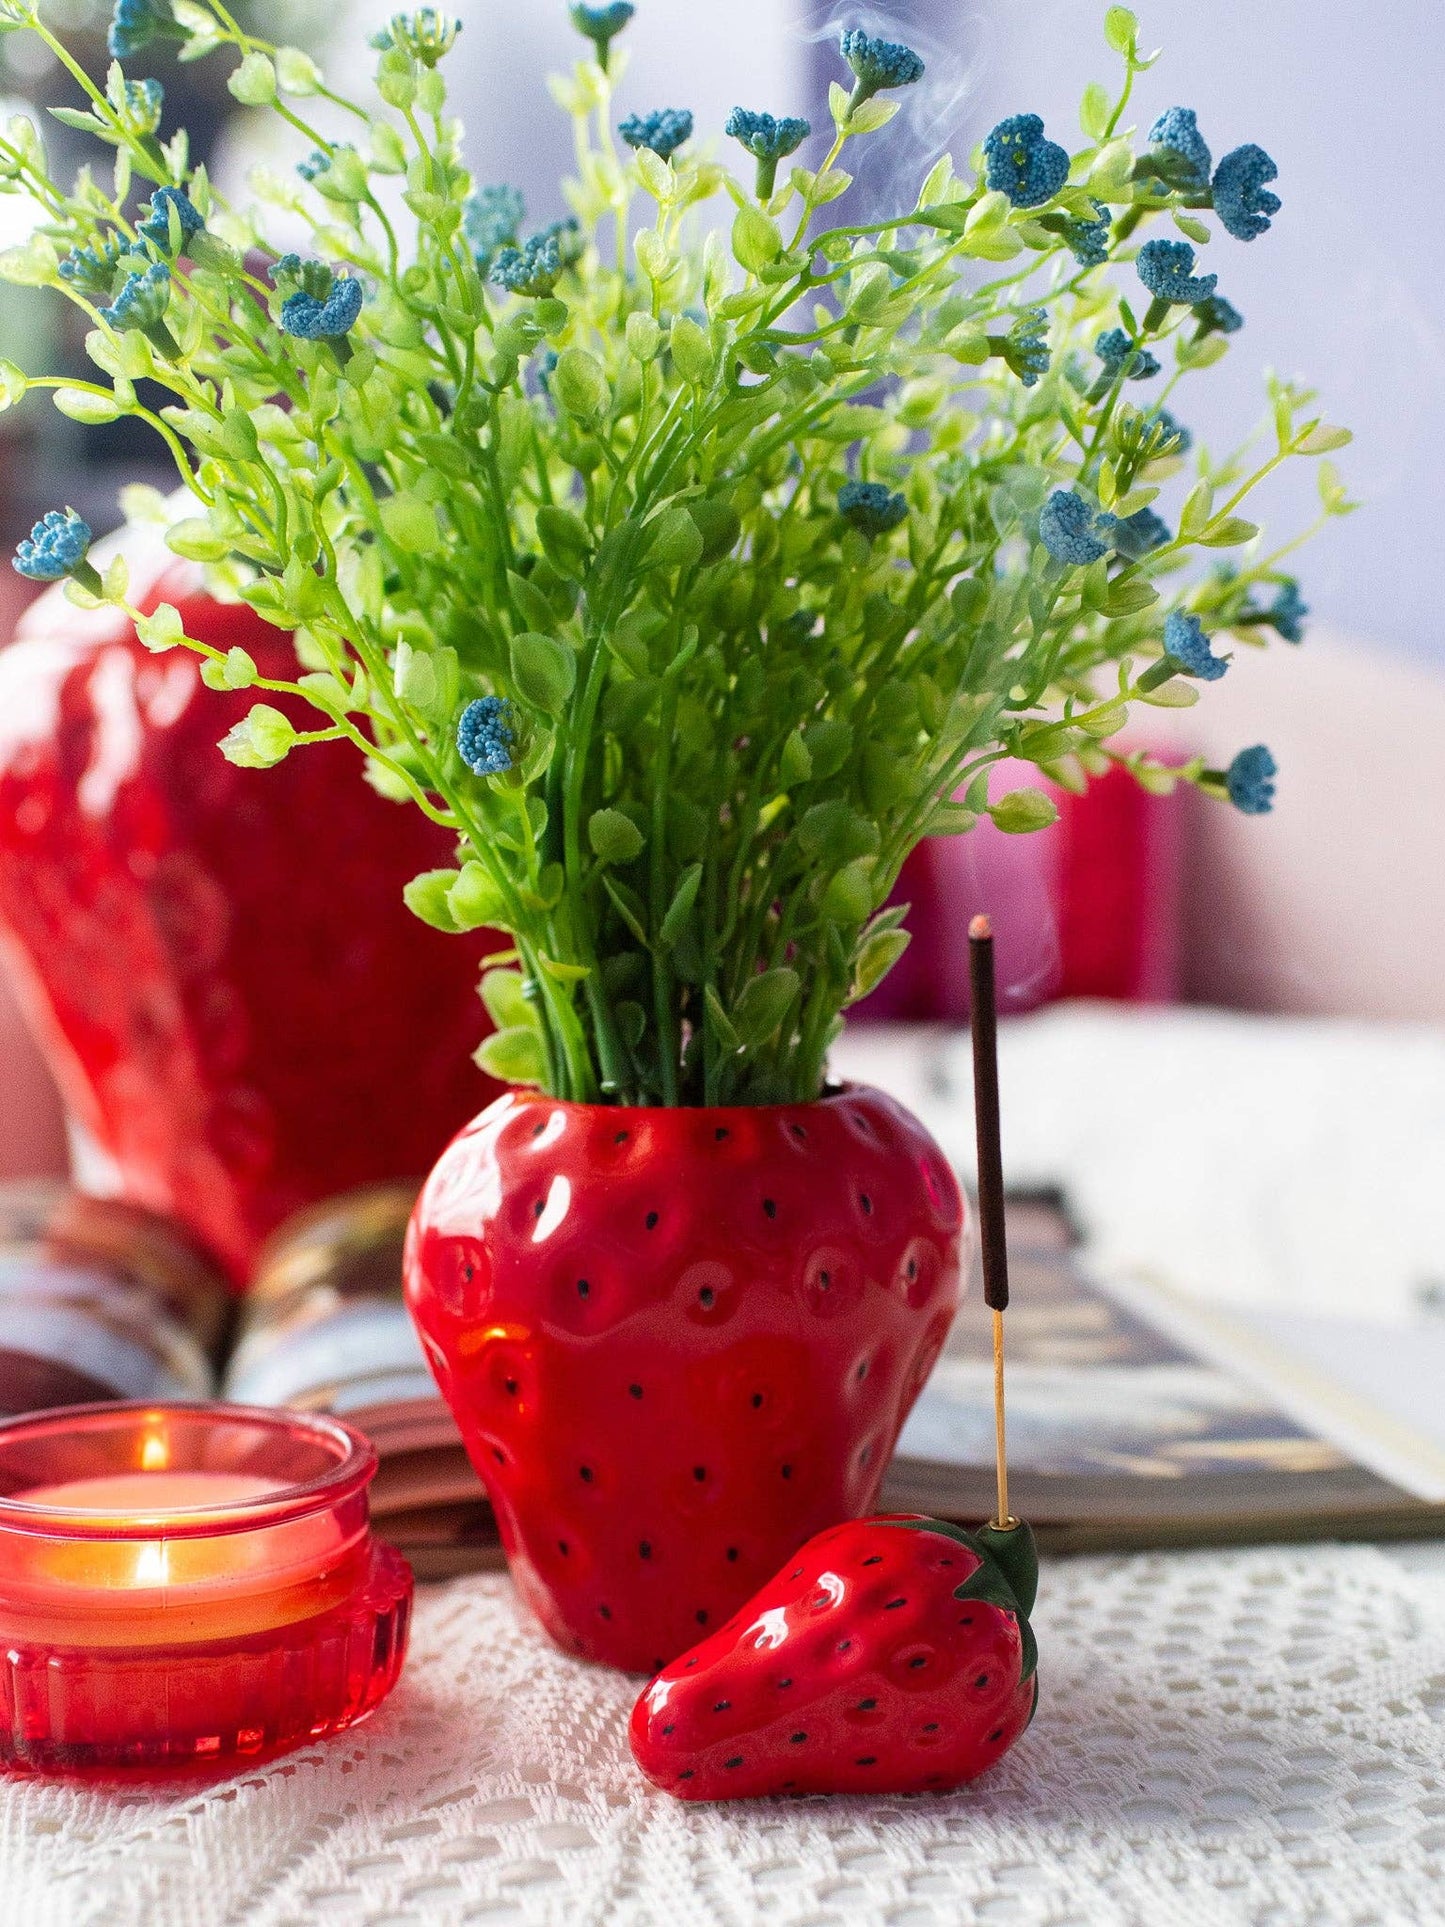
(188, 1584)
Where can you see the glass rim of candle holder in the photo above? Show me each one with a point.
(180, 1628)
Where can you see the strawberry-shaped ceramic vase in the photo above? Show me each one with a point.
(679, 1342)
(241, 1012)
(889, 1655)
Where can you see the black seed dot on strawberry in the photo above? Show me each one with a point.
(583, 1288)
(875, 1560)
(562, 1547)
(797, 1739)
(699, 1472)
(621, 1138)
(511, 1385)
(868, 1759)
(722, 1706)
(784, 1682)
(499, 1455)
(865, 1455)
(913, 1267)
(787, 1472)
(917, 1660)
(844, 1645)
(651, 1221)
(584, 1473)
(757, 1401)
(692, 1662)
(825, 1280)
(770, 1209)
(606, 1611)
(866, 1706)
(701, 1617)
(787, 1786)
(635, 1390)
(469, 1271)
(862, 1372)
(733, 1554)
(797, 1574)
(798, 1132)
(981, 1681)
(967, 1620)
(666, 1730)
(706, 1297)
(931, 1727)
(537, 1129)
(721, 1132)
(894, 1604)
(644, 1549)
(997, 1734)
(539, 1207)
(657, 1665)
(686, 1773)
(736, 1760)
(865, 1204)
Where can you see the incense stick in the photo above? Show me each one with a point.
(990, 1176)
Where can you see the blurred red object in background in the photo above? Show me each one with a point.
(1087, 908)
(241, 1013)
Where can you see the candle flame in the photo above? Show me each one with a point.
(155, 1453)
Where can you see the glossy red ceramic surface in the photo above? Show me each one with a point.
(243, 1015)
(679, 1342)
(188, 1584)
(889, 1656)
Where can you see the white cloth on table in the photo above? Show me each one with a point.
(1223, 1739)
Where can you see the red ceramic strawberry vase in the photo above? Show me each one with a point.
(679, 1342)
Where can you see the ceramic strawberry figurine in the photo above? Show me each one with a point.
(891, 1655)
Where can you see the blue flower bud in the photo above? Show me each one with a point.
(567, 234)
(1186, 642)
(1068, 529)
(138, 105)
(601, 25)
(426, 35)
(1286, 614)
(1026, 348)
(1176, 133)
(1167, 270)
(136, 23)
(1241, 199)
(56, 547)
(663, 130)
(766, 139)
(310, 319)
(1250, 781)
(1088, 241)
(1134, 536)
(877, 63)
(315, 163)
(531, 270)
(142, 302)
(94, 271)
(1117, 352)
(156, 228)
(1019, 162)
(1217, 316)
(492, 218)
(485, 738)
(871, 508)
(1173, 437)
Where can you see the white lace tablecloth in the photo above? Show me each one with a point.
(1251, 1737)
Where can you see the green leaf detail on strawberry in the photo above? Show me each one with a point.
(890, 1655)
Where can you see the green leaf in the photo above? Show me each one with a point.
(1177, 694)
(876, 957)
(1198, 507)
(674, 539)
(692, 354)
(566, 540)
(628, 906)
(795, 765)
(513, 1056)
(162, 629)
(1094, 110)
(951, 819)
(475, 900)
(544, 671)
(579, 382)
(504, 992)
(849, 895)
(756, 240)
(13, 384)
(1023, 810)
(1229, 533)
(563, 973)
(235, 670)
(1322, 439)
(1128, 598)
(1196, 230)
(615, 838)
(834, 833)
(869, 115)
(296, 72)
(680, 909)
(411, 524)
(721, 1023)
(1121, 30)
(765, 1001)
(253, 83)
(426, 896)
(83, 405)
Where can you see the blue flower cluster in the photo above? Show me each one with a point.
(1134, 536)
(766, 138)
(156, 228)
(314, 165)
(1116, 350)
(1241, 200)
(664, 130)
(136, 23)
(1019, 162)
(567, 233)
(1177, 133)
(492, 218)
(533, 269)
(142, 302)
(1088, 241)
(311, 319)
(1217, 316)
(1026, 347)
(140, 105)
(1069, 530)
(1173, 437)
(56, 547)
(93, 271)
(485, 738)
(1250, 781)
(1286, 614)
(871, 508)
(1167, 270)
(1186, 642)
(601, 25)
(878, 63)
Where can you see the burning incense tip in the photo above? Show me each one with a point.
(980, 928)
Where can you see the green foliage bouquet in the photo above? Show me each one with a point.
(689, 571)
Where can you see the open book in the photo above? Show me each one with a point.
(1134, 1419)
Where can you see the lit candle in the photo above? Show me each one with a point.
(169, 1556)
